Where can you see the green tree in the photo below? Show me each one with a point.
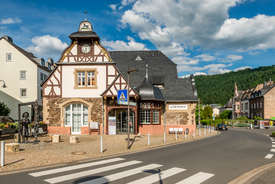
(197, 112)
(4, 110)
(207, 112)
(226, 114)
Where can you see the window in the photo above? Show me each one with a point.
(238, 107)
(254, 106)
(251, 116)
(41, 93)
(251, 106)
(85, 78)
(77, 113)
(8, 57)
(261, 105)
(23, 75)
(260, 115)
(242, 107)
(246, 106)
(23, 93)
(150, 113)
(43, 76)
(257, 104)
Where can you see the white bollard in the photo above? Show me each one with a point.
(204, 130)
(2, 153)
(164, 137)
(199, 132)
(194, 133)
(185, 134)
(101, 145)
(148, 139)
(176, 136)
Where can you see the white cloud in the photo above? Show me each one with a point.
(121, 45)
(10, 21)
(47, 46)
(199, 73)
(254, 53)
(185, 60)
(242, 68)
(234, 57)
(212, 68)
(206, 57)
(113, 7)
(203, 23)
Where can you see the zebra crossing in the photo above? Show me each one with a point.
(269, 156)
(71, 173)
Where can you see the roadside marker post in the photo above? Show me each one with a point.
(199, 132)
(176, 136)
(185, 133)
(194, 133)
(164, 137)
(101, 145)
(2, 153)
(148, 139)
(204, 130)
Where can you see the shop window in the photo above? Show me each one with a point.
(85, 79)
(150, 113)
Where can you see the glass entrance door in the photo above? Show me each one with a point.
(122, 121)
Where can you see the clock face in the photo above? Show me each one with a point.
(85, 48)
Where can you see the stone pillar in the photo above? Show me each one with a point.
(12, 147)
(56, 138)
(74, 139)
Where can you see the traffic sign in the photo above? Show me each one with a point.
(122, 96)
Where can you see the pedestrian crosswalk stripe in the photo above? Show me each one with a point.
(273, 142)
(90, 172)
(197, 178)
(272, 150)
(59, 170)
(159, 176)
(123, 174)
(269, 156)
(273, 145)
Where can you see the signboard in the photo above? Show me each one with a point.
(178, 107)
(112, 125)
(122, 96)
(93, 125)
(271, 123)
(126, 103)
(261, 124)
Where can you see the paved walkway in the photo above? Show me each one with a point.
(47, 153)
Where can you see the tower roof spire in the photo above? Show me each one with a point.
(85, 15)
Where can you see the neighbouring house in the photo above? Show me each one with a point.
(22, 73)
(84, 88)
(227, 106)
(262, 101)
(236, 110)
(245, 110)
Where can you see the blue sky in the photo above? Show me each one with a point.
(201, 36)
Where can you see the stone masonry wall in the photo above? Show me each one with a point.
(54, 110)
(96, 109)
(177, 118)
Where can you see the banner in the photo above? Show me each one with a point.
(112, 125)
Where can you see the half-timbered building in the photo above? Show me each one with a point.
(83, 89)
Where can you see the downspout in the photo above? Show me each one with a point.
(102, 115)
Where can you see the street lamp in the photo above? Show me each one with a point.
(4, 85)
(128, 100)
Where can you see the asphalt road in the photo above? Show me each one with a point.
(214, 160)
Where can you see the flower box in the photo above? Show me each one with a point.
(7, 131)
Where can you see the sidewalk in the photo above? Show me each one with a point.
(47, 153)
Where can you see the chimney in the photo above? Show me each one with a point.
(46, 64)
(269, 82)
(265, 83)
(50, 60)
(9, 39)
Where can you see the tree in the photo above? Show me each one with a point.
(197, 112)
(207, 112)
(4, 110)
(226, 114)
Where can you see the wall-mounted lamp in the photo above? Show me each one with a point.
(4, 85)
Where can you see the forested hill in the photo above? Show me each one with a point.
(219, 88)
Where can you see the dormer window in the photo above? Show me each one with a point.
(138, 58)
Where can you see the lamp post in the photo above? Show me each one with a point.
(4, 85)
(128, 100)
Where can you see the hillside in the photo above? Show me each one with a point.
(219, 88)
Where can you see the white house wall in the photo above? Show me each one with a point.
(68, 82)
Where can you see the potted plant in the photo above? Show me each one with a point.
(7, 128)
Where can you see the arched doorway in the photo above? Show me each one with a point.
(76, 116)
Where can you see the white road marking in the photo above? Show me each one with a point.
(269, 156)
(123, 174)
(272, 150)
(158, 176)
(197, 178)
(273, 145)
(59, 170)
(273, 142)
(90, 172)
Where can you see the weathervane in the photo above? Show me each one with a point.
(85, 15)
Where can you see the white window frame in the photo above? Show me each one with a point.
(7, 58)
(70, 111)
(21, 71)
(21, 90)
(42, 76)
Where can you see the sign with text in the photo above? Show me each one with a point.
(112, 125)
(178, 107)
(93, 125)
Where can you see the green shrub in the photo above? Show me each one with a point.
(273, 133)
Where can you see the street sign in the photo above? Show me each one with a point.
(126, 103)
(122, 96)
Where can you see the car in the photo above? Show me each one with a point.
(221, 127)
